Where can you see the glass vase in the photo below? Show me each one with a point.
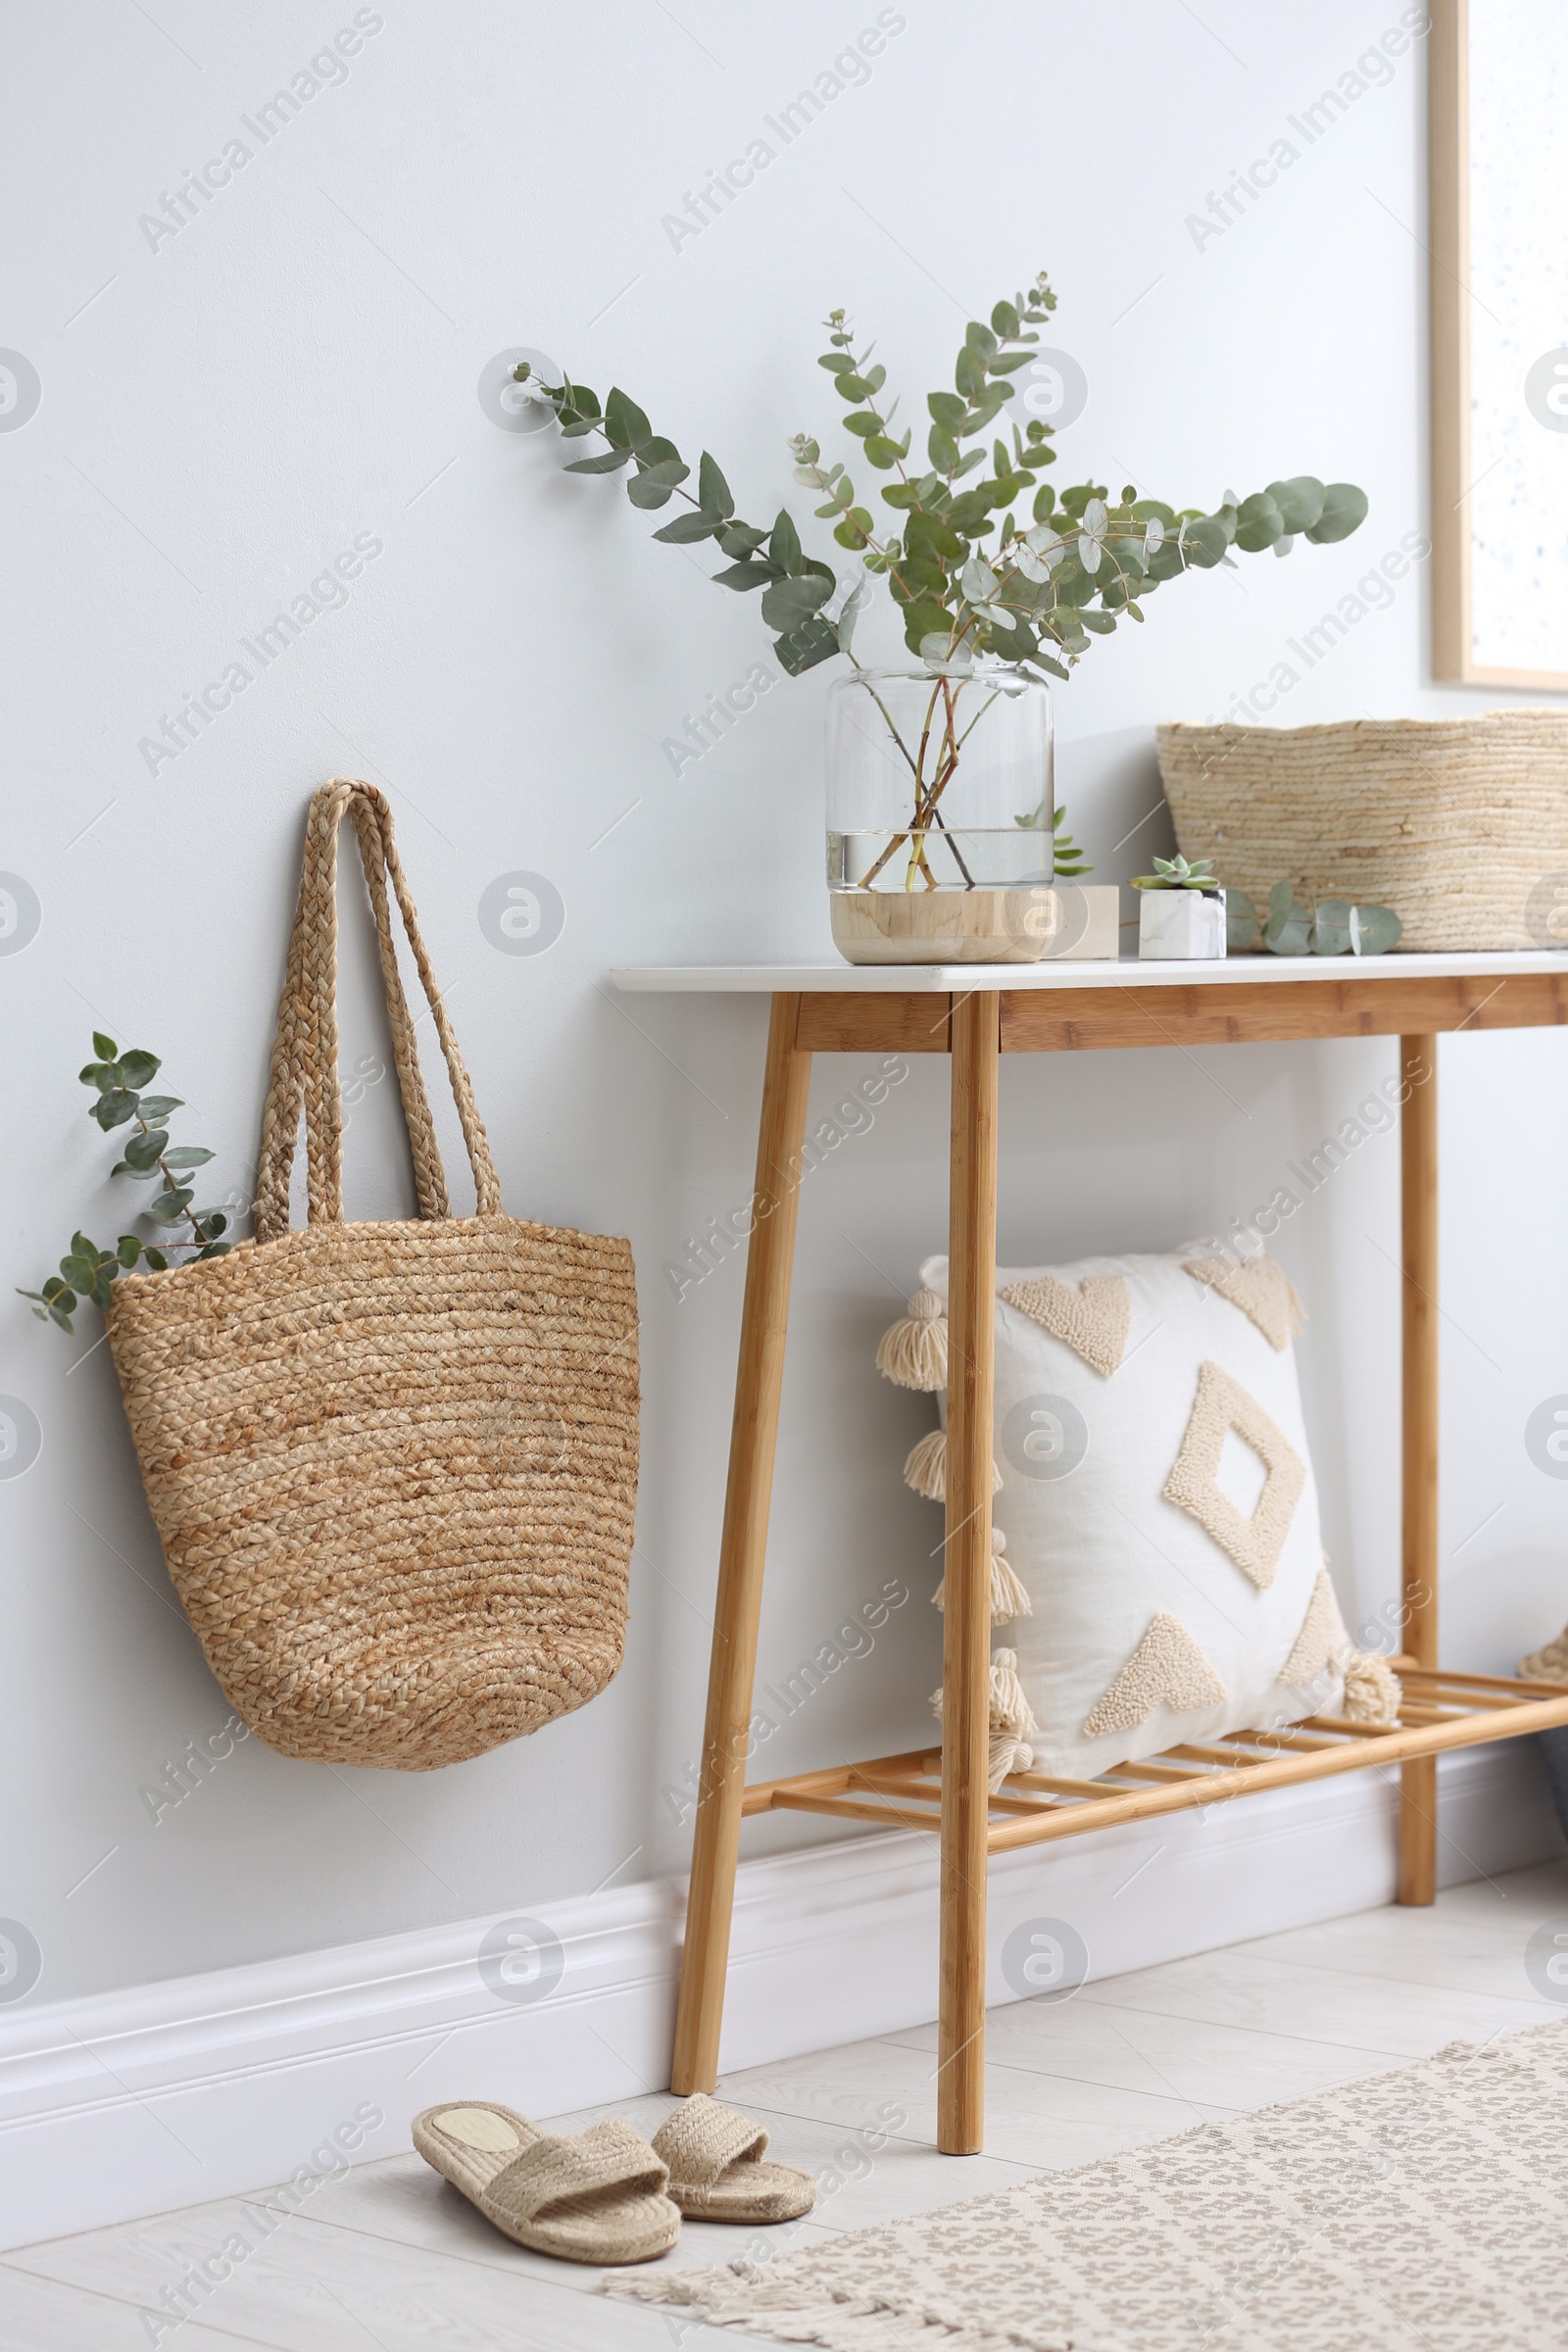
(939, 783)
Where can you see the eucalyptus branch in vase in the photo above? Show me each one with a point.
(997, 580)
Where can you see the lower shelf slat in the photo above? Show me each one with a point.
(1442, 1711)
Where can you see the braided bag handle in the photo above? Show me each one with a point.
(304, 1068)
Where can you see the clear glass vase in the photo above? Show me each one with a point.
(939, 783)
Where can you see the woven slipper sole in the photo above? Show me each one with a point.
(753, 2193)
(636, 2226)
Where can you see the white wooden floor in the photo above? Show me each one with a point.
(392, 2258)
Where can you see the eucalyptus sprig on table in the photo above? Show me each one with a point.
(1333, 927)
(973, 580)
(88, 1272)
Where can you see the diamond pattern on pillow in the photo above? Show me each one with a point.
(1254, 1545)
(1092, 1320)
(1167, 1665)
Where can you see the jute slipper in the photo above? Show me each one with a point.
(598, 2196)
(717, 2171)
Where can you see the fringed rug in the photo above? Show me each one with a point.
(1422, 2211)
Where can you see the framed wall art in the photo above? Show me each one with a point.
(1500, 341)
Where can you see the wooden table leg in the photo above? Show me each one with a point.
(721, 1780)
(966, 1621)
(1418, 1161)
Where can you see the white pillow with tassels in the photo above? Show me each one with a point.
(1158, 1573)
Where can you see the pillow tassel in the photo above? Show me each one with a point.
(1372, 1693)
(1008, 1598)
(913, 1353)
(926, 1468)
(1548, 1665)
(1011, 1722)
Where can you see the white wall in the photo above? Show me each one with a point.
(224, 412)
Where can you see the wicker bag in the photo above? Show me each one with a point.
(1459, 824)
(394, 1466)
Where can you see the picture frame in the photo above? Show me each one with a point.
(1498, 243)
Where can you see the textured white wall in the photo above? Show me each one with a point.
(227, 409)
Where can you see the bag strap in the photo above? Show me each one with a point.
(304, 1068)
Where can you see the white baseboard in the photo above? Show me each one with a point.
(136, 2102)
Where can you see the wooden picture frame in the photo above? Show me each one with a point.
(1481, 434)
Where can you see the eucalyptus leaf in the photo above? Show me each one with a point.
(137, 1067)
(850, 611)
(1259, 524)
(1241, 927)
(186, 1156)
(788, 602)
(741, 576)
(785, 544)
(170, 1207)
(1300, 501)
(655, 485)
(625, 421)
(1204, 542)
(1343, 511)
(104, 1046)
(143, 1150)
(1331, 927)
(1374, 930)
(713, 489)
(607, 463)
(689, 527)
(800, 648)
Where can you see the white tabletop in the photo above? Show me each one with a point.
(907, 979)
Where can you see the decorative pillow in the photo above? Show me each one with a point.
(1157, 1546)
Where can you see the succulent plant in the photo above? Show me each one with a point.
(1174, 874)
(1069, 865)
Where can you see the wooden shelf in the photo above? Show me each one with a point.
(1439, 1711)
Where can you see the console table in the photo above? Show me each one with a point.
(975, 1014)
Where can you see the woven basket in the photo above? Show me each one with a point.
(394, 1466)
(1460, 825)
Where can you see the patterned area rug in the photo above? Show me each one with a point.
(1423, 2210)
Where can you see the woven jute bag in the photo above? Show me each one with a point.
(394, 1466)
(1459, 824)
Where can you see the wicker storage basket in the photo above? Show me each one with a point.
(1459, 824)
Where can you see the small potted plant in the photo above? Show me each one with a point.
(1181, 916)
